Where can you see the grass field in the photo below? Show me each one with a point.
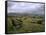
(25, 24)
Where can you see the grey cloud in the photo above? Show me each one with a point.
(14, 7)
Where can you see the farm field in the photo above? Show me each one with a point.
(25, 24)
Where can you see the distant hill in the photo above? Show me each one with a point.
(25, 14)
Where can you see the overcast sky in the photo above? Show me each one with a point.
(21, 7)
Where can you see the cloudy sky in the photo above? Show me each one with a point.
(22, 7)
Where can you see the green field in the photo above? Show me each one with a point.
(25, 24)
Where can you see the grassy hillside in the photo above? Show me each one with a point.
(23, 24)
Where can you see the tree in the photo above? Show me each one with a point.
(17, 23)
(39, 21)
